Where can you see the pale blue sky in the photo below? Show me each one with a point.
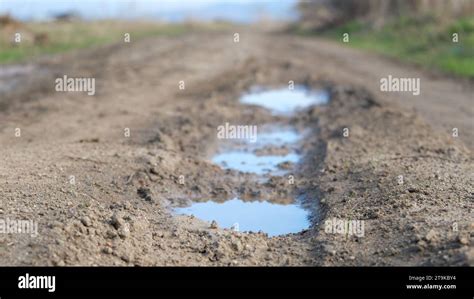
(169, 10)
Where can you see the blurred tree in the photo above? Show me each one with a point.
(320, 14)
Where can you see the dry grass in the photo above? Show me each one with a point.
(55, 37)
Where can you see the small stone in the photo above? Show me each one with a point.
(237, 245)
(86, 221)
(116, 221)
(268, 257)
(463, 240)
(214, 225)
(469, 254)
(59, 263)
(417, 237)
(431, 236)
(55, 224)
(111, 234)
(421, 245)
(124, 231)
(220, 251)
(330, 249)
(107, 250)
(145, 193)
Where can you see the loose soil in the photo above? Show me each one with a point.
(118, 211)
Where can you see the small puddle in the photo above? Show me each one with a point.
(251, 216)
(249, 162)
(284, 100)
(15, 70)
(12, 76)
(275, 145)
(277, 135)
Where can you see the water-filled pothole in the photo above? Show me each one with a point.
(250, 162)
(12, 76)
(271, 218)
(285, 100)
(275, 145)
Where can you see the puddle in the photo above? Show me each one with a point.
(284, 100)
(267, 135)
(10, 76)
(15, 70)
(254, 216)
(13, 76)
(277, 143)
(249, 162)
(276, 135)
(7, 86)
(242, 154)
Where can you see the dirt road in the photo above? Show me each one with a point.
(102, 197)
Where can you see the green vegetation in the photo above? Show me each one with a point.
(424, 41)
(66, 36)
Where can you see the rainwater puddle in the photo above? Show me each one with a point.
(275, 144)
(284, 100)
(15, 70)
(12, 76)
(276, 135)
(251, 216)
(249, 162)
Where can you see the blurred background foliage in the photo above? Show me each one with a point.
(418, 31)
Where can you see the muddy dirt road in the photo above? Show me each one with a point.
(101, 196)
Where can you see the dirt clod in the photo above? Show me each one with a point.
(145, 193)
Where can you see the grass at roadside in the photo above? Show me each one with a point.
(66, 36)
(424, 41)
